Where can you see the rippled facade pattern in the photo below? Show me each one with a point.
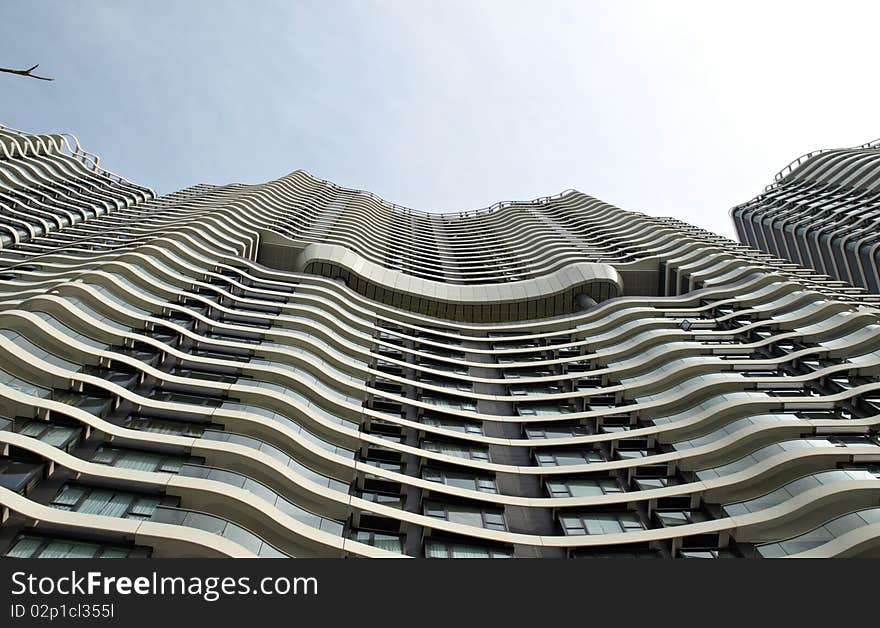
(822, 212)
(257, 370)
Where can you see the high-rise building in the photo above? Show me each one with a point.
(300, 369)
(822, 212)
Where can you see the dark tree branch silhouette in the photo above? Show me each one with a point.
(27, 73)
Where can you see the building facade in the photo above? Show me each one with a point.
(299, 369)
(822, 212)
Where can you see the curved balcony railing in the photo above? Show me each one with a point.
(796, 487)
(471, 213)
(821, 535)
(239, 480)
(285, 459)
(794, 165)
(220, 527)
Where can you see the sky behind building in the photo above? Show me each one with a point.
(677, 109)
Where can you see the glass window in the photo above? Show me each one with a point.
(458, 425)
(580, 487)
(49, 433)
(18, 475)
(553, 458)
(645, 484)
(535, 389)
(457, 450)
(139, 460)
(538, 409)
(104, 502)
(27, 546)
(669, 518)
(382, 540)
(383, 498)
(451, 403)
(556, 431)
(461, 480)
(442, 549)
(491, 519)
(600, 523)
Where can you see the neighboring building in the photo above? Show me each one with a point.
(822, 212)
(300, 369)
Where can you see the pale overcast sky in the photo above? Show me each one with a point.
(672, 108)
